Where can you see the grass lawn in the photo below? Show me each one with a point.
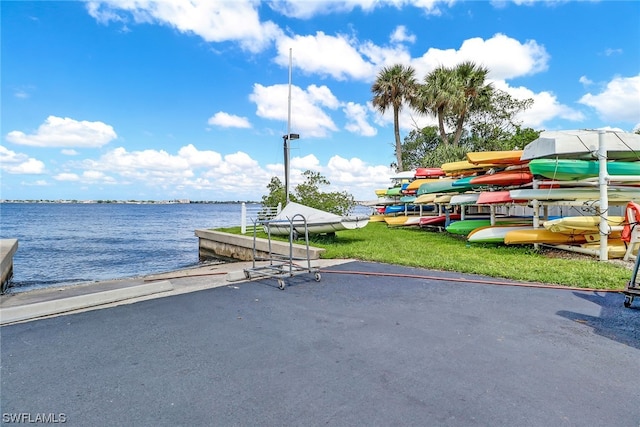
(414, 247)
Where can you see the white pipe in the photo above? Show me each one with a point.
(603, 177)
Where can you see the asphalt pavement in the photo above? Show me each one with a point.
(369, 344)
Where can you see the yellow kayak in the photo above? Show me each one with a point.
(464, 167)
(582, 224)
(424, 199)
(541, 235)
(511, 157)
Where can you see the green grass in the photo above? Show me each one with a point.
(442, 251)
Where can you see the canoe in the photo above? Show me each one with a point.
(407, 199)
(494, 233)
(425, 198)
(392, 209)
(573, 193)
(465, 183)
(444, 185)
(615, 248)
(466, 226)
(582, 224)
(402, 220)
(464, 199)
(381, 192)
(317, 221)
(583, 144)
(426, 221)
(376, 218)
(394, 191)
(571, 169)
(505, 178)
(541, 235)
(443, 198)
(414, 185)
(496, 197)
(428, 172)
(464, 167)
(511, 157)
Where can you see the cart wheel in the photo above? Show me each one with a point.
(627, 301)
(281, 284)
(247, 275)
(317, 277)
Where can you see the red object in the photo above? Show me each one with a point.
(505, 178)
(633, 209)
(491, 197)
(437, 220)
(429, 172)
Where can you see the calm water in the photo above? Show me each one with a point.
(70, 243)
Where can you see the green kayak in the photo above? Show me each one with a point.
(571, 170)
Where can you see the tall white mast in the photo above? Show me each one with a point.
(287, 137)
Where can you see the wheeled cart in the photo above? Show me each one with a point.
(282, 266)
(633, 287)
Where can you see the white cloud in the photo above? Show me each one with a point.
(326, 55)
(400, 35)
(307, 9)
(505, 57)
(19, 164)
(619, 101)
(308, 117)
(213, 21)
(357, 120)
(66, 176)
(65, 132)
(357, 177)
(585, 81)
(545, 108)
(227, 120)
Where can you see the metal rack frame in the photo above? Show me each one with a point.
(280, 266)
(633, 287)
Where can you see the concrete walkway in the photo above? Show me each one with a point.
(370, 344)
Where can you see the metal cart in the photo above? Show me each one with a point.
(633, 287)
(281, 266)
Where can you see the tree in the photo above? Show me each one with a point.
(308, 193)
(393, 87)
(496, 127)
(417, 144)
(451, 94)
(470, 94)
(433, 97)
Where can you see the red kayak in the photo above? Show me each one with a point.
(505, 178)
(437, 220)
(429, 172)
(492, 197)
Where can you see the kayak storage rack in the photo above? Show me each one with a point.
(633, 287)
(280, 266)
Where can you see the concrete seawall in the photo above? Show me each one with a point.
(217, 244)
(8, 247)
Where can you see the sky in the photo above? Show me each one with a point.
(189, 99)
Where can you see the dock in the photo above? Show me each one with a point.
(8, 248)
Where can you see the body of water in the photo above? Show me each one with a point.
(67, 243)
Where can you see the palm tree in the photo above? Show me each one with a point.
(393, 87)
(471, 93)
(433, 97)
(451, 93)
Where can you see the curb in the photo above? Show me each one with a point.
(57, 306)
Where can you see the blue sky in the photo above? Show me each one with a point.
(158, 100)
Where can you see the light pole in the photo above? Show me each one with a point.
(286, 138)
